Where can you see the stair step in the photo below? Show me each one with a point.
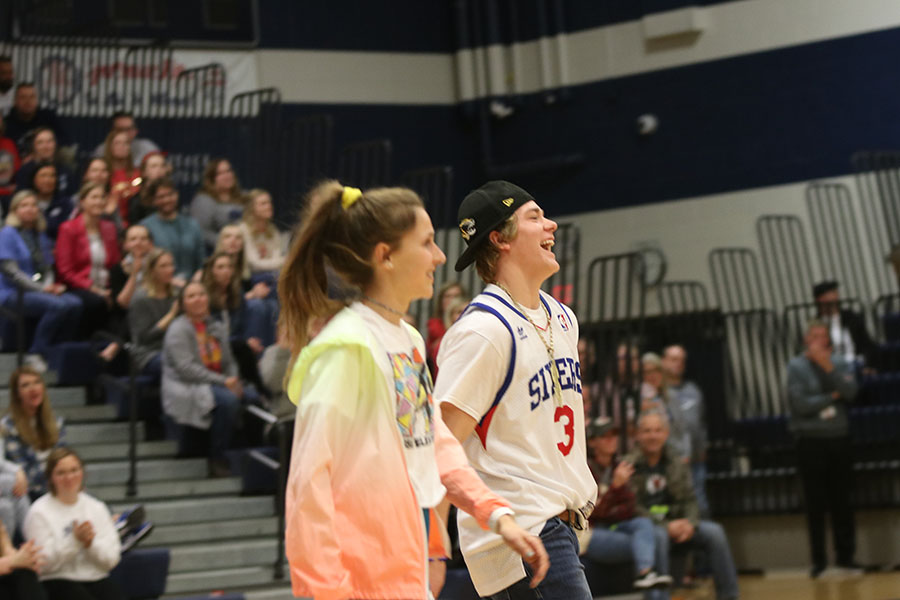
(80, 414)
(196, 582)
(119, 450)
(59, 396)
(203, 510)
(158, 490)
(111, 473)
(99, 433)
(282, 592)
(182, 533)
(237, 553)
(9, 362)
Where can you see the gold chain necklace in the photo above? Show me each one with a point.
(554, 370)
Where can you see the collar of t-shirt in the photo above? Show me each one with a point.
(393, 337)
(537, 315)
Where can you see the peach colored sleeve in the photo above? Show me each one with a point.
(320, 431)
(465, 488)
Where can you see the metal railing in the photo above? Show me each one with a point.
(17, 315)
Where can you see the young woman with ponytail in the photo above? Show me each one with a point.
(371, 457)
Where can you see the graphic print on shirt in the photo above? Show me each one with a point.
(415, 404)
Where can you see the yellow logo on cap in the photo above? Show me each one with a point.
(508, 202)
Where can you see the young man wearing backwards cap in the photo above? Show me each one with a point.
(510, 387)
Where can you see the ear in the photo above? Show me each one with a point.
(381, 255)
(497, 239)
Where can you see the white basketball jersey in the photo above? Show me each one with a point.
(528, 446)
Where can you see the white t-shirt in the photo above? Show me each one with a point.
(49, 523)
(403, 364)
(528, 447)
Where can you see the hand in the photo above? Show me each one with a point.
(530, 547)
(137, 261)
(28, 556)
(178, 281)
(256, 345)
(437, 574)
(260, 290)
(234, 384)
(173, 310)
(622, 474)
(20, 488)
(680, 530)
(84, 533)
(821, 355)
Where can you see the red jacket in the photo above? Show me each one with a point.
(73, 251)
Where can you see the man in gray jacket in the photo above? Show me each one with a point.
(687, 398)
(820, 386)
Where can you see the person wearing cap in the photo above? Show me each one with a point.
(617, 534)
(849, 336)
(820, 386)
(509, 386)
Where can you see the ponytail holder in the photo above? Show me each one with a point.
(349, 196)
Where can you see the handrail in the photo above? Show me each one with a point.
(18, 315)
(280, 466)
(130, 389)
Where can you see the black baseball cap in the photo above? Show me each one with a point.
(483, 211)
(823, 287)
(600, 427)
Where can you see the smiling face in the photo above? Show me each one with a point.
(97, 172)
(223, 271)
(27, 211)
(67, 478)
(652, 434)
(137, 241)
(164, 269)
(45, 180)
(165, 200)
(30, 389)
(93, 202)
(44, 145)
(414, 260)
(195, 301)
(154, 167)
(532, 248)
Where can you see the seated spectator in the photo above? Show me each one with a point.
(273, 365)
(847, 329)
(655, 396)
(177, 233)
(264, 245)
(821, 385)
(30, 430)
(19, 569)
(7, 79)
(246, 319)
(140, 147)
(9, 163)
(86, 250)
(617, 535)
(200, 383)
(662, 484)
(153, 167)
(124, 177)
(43, 149)
(152, 310)
(436, 325)
(126, 276)
(25, 116)
(55, 206)
(220, 200)
(617, 396)
(26, 261)
(259, 292)
(14, 502)
(79, 543)
(686, 398)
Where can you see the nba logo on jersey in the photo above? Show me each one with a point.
(521, 332)
(562, 322)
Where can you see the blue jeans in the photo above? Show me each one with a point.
(698, 476)
(261, 318)
(565, 579)
(634, 540)
(153, 368)
(58, 317)
(710, 537)
(223, 419)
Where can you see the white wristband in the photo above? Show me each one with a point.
(495, 516)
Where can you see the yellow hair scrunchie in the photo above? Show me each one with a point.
(349, 196)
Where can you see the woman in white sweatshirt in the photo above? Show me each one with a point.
(79, 541)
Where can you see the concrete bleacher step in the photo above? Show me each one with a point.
(119, 451)
(111, 473)
(207, 509)
(237, 553)
(184, 584)
(158, 490)
(99, 433)
(59, 396)
(282, 592)
(86, 414)
(211, 531)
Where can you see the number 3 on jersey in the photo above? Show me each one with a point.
(568, 428)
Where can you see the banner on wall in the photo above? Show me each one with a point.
(79, 81)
